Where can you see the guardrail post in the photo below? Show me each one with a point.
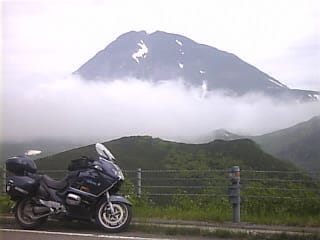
(234, 192)
(139, 180)
(4, 175)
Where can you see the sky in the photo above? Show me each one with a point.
(279, 37)
(43, 41)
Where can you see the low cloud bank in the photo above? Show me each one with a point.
(70, 108)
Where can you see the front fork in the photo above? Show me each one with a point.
(110, 205)
(115, 199)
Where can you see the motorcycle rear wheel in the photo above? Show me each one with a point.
(117, 222)
(25, 215)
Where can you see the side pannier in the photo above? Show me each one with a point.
(21, 186)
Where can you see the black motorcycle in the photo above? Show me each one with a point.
(86, 193)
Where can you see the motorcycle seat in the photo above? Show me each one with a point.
(55, 184)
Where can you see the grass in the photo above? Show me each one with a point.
(5, 204)
(222, 212)
(172, 212)
(187, 210)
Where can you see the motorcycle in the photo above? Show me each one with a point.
(87, 192)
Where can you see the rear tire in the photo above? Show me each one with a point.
(117, 222)
(24, 215)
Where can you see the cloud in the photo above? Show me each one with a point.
(71, 108)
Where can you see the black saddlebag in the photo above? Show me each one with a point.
(21, 186)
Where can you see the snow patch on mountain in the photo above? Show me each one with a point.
(178, 42)
(181, 52)
(180, 65)
(141, 53)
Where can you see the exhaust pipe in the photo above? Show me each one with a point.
(43, 211)
(40, 210)
(41, 216)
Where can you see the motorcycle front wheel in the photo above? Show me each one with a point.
(25, 215)
(117, 221)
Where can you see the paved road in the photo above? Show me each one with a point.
(75, 231)
(17, 234)
(12, 232)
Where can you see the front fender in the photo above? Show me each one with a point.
(117, 198)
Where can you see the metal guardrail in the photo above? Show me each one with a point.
(254, 184)
(160, 180)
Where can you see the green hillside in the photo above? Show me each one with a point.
(268, 200)
(153, 153)
(298, 144)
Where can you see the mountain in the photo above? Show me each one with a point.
(299, 144)
(223, 134)
(153, 153)
(165, 56)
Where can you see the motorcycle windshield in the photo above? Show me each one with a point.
(109, 168)
(104, 152)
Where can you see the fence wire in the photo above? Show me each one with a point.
(259, 184)
(255, 184)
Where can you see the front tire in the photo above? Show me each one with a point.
(25, 215)
(117, 222)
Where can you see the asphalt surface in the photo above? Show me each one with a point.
(54, 230)
(78, 231)
(15, 234)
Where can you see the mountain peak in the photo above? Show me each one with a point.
(133, 34)
(162, 56)
(224, 135)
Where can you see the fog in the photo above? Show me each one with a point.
(67, 107)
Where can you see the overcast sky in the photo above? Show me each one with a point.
(281, 37)
(42, 38)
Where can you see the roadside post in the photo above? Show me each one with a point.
(4, 177)
(234, 192)
(139, 182)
